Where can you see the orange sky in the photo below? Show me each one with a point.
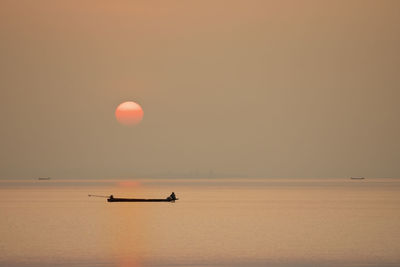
(229, 88)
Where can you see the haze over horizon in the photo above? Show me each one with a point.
(248, 88)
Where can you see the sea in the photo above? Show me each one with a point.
(216, 222)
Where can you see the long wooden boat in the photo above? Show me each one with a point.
(116, 199)
(111, 198)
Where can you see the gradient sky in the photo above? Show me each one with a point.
(228, 88)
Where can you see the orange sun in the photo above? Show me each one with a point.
(129, 113)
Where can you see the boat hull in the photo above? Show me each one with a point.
(138, 200)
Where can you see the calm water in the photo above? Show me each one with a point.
(241, 222)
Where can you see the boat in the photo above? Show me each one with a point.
(116, 199)
(111, 198)
(44, 178)
(357, 178)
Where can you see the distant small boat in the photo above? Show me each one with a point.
(111, 198)
(357, 178)
(115, 199)
(44, 178)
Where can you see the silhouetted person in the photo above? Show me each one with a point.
(172, 196)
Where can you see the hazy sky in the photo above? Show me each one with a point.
(228, 88)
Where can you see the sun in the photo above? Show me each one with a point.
(129, 113)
